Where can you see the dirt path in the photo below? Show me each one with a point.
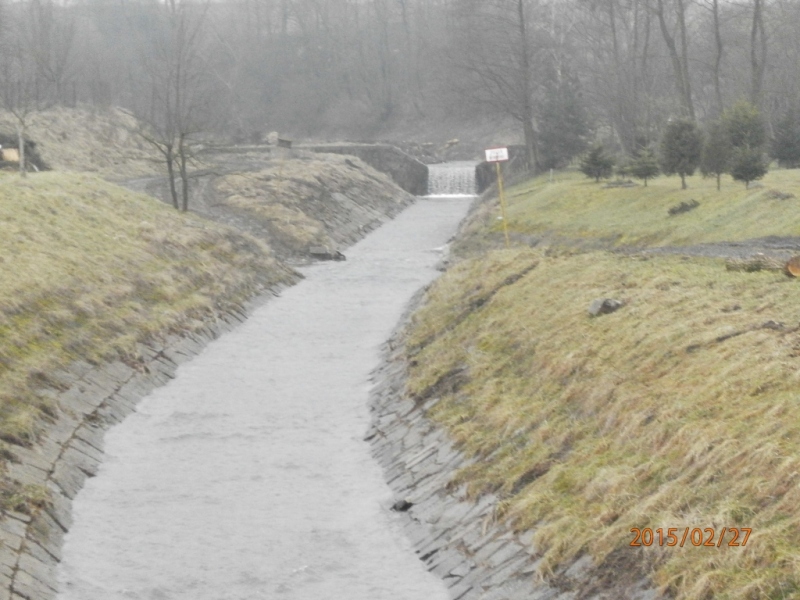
(773, 246)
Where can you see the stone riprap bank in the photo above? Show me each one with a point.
(462, 541)
(93, 398)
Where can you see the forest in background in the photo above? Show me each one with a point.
(564, 72)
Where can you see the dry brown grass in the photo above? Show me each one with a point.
(293, 196)
(582, 211)
(88, 270)
(679, 410)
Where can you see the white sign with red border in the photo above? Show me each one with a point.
(496, 154)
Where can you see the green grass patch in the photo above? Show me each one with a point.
(679, 410)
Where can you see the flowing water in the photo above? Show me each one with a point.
(452, 179)
(246, 477)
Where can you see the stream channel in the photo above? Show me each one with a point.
(246, 477)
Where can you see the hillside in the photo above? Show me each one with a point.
(578, 211)
(91, 270)
(678, 410)
(309, 199)
(102, 141)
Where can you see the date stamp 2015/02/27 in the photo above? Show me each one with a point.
(673, 536)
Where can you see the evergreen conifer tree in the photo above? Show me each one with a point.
(748, 164)
(644, 165)
(563, 123)
(597, 163)
(747, 135)
(716, 156)
(680, 149)
(786, 142)
(745, 126)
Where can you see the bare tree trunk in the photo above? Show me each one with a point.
(680, 64)
(756, 65)
(182, 159)
(21, 141)
(687, 83)
(173, 191)
(527, 100)
(717, 58)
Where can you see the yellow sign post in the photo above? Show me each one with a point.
(498, 155)
(502, 201)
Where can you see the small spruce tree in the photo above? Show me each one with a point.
(745, 126)
(597, 163)
(680, 149)
(716, 156)
(747, 136)
(748, 164)
(785, 145)
(644, 165)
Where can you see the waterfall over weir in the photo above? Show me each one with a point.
(452, 179)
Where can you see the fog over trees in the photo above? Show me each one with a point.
(564, 73)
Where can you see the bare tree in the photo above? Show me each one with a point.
(50, 33)
(496, 55)
(678, 50)
(758, 52)
(175, 78)
(718, 53)
(23, 91)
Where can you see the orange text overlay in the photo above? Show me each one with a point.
(691, 536)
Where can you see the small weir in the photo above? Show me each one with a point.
(452, 179)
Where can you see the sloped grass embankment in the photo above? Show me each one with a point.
(312, 199)
(579, 210)
(89, 271)
(679, 410)
(103, 141)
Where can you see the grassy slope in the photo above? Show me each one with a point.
(293, 197)
(102, 141)
(679, 410)
(575, 207)
(88, 269)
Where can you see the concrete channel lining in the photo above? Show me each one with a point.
(93, 399)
